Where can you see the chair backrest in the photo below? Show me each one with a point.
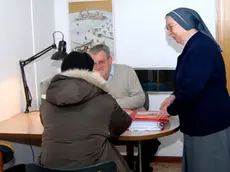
(146, 105)
(7, 152)
(108, 166)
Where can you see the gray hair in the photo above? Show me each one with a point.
(98, 48)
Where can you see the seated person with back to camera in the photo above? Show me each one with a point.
(79, 117)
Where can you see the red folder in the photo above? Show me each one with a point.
(143, 115)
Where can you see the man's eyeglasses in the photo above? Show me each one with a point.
(100, 63)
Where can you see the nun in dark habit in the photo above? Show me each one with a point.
(200, 98)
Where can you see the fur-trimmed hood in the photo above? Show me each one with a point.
(91, 77)
(75, 87)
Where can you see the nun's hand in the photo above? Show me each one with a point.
(163, 114)
(167, 102)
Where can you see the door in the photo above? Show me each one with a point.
(223, 33)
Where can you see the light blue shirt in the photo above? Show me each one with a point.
(111, 72)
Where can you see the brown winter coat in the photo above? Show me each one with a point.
(78, 118)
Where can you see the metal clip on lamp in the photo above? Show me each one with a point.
(59, 55)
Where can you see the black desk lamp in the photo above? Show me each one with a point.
(59, 55)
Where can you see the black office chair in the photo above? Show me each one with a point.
(108, 166)
(146, 104)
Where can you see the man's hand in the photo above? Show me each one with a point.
(167, 102)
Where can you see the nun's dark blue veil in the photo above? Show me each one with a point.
(190, 19)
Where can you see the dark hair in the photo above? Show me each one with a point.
(76, 60)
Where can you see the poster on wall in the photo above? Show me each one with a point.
(91, 23)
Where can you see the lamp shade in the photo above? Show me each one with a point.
(61, 53)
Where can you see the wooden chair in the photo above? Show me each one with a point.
(6, 154)
(1, 162)
(108, 166)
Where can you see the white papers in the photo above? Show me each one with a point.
(137, 125)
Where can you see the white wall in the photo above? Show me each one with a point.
(44, 26)
(26, 29)
(140, 36)
(140, 41)
(16, 43)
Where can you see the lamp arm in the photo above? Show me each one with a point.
(23, 63)
(34, 57)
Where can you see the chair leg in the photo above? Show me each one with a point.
(1, 162)
(130, 156)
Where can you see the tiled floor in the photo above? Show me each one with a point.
(166, 167)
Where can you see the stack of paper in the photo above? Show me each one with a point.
(146, 126)
(146, 120)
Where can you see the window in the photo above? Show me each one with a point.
(156, 80)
